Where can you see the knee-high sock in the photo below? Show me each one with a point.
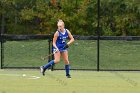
(49, 64)
(67, 68)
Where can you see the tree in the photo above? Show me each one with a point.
(118, 17)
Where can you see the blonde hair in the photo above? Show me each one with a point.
(60, 21)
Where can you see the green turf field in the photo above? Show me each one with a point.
(31, 81)
(114, 54)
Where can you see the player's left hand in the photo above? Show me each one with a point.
(66, 46)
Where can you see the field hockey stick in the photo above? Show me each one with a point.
(46, 57)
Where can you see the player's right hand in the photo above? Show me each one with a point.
(66, 46)
(56, 50)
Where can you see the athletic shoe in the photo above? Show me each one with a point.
(68, 76)
(42, 70)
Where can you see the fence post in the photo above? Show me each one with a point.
(2, 55)
(49, 41)
(98, 39)
(51, 51)
(52, 67)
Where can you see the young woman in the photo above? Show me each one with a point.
(60, 47)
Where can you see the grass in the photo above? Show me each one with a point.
(120, 54)
(23, 81)
(25, 53)
(114, 54)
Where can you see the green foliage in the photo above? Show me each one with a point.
(118, 17)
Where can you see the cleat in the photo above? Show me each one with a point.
(68, 76)
(42, 70)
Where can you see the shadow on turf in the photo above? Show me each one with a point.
(130, 81)
(60, 81)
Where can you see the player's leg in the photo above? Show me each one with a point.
(67, 64)
(56, 60)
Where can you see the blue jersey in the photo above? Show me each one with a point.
(61, 40)
(62, 37)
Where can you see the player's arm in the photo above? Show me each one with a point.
(54, 39)
(71, 40)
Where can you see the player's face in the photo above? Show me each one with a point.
(60, 26)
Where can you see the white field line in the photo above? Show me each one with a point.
(23, 75)
(34, 77)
